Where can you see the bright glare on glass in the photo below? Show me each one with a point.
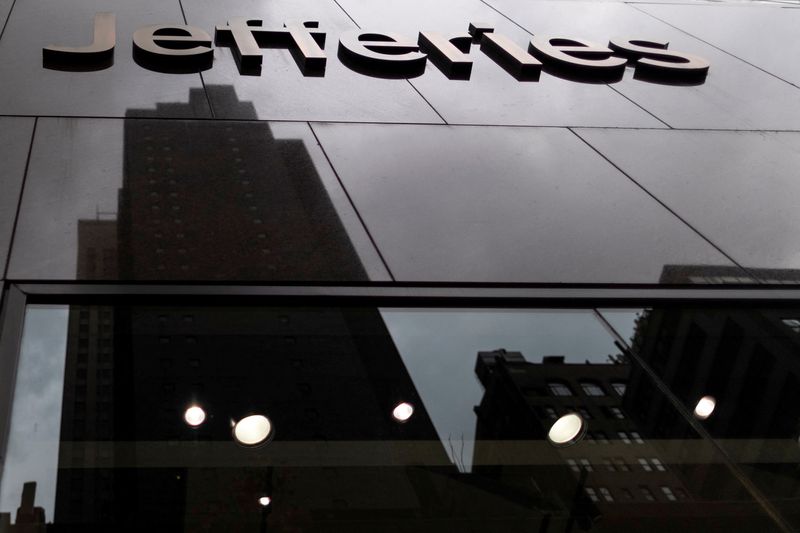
(567, 430)
(194, 416)
(252, 430)
(403, 411)
(264, 501)
(705, 407)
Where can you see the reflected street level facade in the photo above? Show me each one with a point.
(318, 266)
(328, 379)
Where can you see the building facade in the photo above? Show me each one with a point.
(413, 238)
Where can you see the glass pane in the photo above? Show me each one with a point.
(735, 372)
(208, 418)
(32, 454)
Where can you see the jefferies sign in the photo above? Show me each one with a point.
(181, 48)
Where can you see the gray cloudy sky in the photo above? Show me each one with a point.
(36, 412)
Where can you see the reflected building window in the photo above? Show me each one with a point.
(550, 413)
(649, 465)
(619, 387)
(616, 412)
(592, 389)
(621, 464)
(580, 464)
(668, 494)
(592, 494)
(647, 494)
(792, 323)
(559, 389)
(606, 494)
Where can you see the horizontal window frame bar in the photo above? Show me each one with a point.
(427, 295)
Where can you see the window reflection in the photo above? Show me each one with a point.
(736, 371)
(592, 389)
(559, 389)
(207, 200)
(127, 450)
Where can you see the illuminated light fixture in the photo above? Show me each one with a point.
(567, 430)
(264, 501)
(194, 416)
(705, 407)
(403, 411)
(252, 430)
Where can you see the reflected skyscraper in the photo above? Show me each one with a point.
(746, 359)
(201, 202)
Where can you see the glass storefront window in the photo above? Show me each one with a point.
(288, 418)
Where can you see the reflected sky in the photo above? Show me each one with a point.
(439, 349)
(623, 321)
(36, 415)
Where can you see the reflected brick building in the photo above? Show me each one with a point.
(620, 469)
(747, 360)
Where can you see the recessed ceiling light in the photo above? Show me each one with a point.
(252, 430)
(705, 407)
(194, 416)
(264, 501)
(567, 430)
(403, 411)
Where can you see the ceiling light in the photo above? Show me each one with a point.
(264, 501)
(403, 411)
(705, 407)
(194, 416)
(252, 430)
(567, 430)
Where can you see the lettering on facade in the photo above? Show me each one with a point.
(182, 48)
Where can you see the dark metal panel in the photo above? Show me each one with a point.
(733, 29)
(280, 90)
(738, 189)
(735, 95)
(186, 200)
(30, 89)
(15, 142)
(493, 95)
(506, 204)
